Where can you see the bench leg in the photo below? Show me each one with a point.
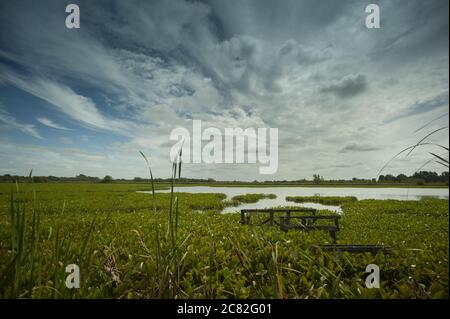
(333, 235)
(288, 218)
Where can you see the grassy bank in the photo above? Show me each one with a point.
(325, 200)
(251, 198)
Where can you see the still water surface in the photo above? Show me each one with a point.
(282, 192)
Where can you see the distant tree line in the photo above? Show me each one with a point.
(94, 179)
(423, 176)
(418, 178)
(49, 179)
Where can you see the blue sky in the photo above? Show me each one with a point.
(344, 98)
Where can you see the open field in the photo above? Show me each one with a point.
(125, 249)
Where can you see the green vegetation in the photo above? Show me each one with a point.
(125, 249)
(251, 198)
(325, 200)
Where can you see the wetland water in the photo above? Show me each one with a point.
(282, 192)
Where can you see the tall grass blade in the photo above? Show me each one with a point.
(444, 164)
(441, 158)
(404, 150)
(424, 138)
(422, 127)
(427, 162)
(151, 179)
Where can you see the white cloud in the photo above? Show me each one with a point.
(9, 122)
(77, 107)
(47, 122)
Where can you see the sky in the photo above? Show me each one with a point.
(344, 98)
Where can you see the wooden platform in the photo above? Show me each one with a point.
(307, 222)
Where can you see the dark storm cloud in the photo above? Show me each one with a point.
(356, 147)
(428, 105)
(423, 106)
(283, 20)
(412, 28)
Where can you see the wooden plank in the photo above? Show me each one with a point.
(316, 217)
(354, 249)
(312, 227)
(306, 209)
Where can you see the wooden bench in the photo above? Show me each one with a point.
(246, 213)
(353, 249)
(308, 223)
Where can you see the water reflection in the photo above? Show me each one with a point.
(360, 193)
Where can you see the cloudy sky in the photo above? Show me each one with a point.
(344, 98)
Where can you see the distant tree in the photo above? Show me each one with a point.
(426, 176)
(444, 177)
(39, 179)
(107, 179)
(317, 178)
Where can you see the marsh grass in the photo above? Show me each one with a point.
(151, 179)
(248, 198)
(130, 254)
(325, 200)
(26, 256)
(169, 247)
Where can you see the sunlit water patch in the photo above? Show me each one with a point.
(360, 193)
